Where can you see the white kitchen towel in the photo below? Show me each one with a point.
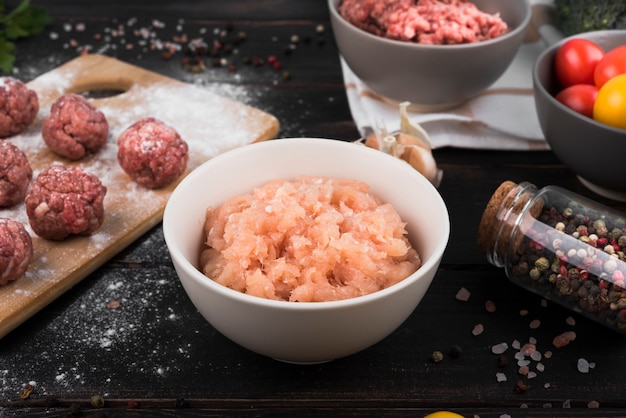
(502, 117)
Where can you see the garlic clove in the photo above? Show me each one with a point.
(407, 126)
(423, 161)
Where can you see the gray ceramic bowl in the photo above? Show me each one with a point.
(432, 77)
(592, 150)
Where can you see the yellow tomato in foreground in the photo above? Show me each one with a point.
(443, 414)
(610, 105)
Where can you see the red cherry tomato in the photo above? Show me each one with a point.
(576, 61)
(613, 63)
(579, 97)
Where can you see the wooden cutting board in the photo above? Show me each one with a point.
(210, 124)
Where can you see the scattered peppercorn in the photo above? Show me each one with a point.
(521, 387)
(436, 356)
(97, 401)
(26, 391)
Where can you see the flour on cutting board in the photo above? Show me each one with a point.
(196, 113)
(210, 124)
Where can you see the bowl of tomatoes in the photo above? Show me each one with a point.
(580, 96)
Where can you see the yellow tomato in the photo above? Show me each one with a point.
(610, 105)
(443, 414)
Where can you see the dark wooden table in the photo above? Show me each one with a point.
(156, 356)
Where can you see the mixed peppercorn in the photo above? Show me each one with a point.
(573, 254)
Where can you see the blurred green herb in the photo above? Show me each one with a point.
(21, 22)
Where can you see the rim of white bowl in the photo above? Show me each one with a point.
(522, 26)
(203, 280)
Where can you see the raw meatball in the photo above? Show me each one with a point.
(18, 106)
(65, 201)
(74, 128)
(16, 250)
(152, 153)
(15, 174)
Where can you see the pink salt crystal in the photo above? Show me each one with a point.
(534, 324)
(523, 312)
(478, 329)
(523, 370)
(463, 294)
(499, 348)
(490, 306)
(593, 404)
(547, 354)
(564, 339)
(570, 321)
(528, 349)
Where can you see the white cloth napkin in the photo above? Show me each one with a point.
(503, 117)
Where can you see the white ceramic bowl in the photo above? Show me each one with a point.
(432, 77)
(310, 332)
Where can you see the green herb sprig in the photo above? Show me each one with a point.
(23, 21)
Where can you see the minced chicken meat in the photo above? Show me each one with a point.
(308, 240)
(435, 22)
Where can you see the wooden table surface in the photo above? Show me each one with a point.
(156, 356)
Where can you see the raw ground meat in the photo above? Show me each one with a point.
(152, 153)
(309, 240)
(15, 174)
(435, 22)
(16, 250)
(65, 201)
(18, 106)
(74, 128)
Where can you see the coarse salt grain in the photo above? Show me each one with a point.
(564, 339)
(463, 295)
(478, 329)
(501, 377)
(593, 404)
(583, 365)
(534, 324)
(499, 348)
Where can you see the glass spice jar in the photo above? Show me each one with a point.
(562, 246)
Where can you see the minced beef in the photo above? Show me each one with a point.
(434, 22)
(65, 201)
(18, 106)
(74, 128)
(16, 250)
(152, 153)
(15, 174)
